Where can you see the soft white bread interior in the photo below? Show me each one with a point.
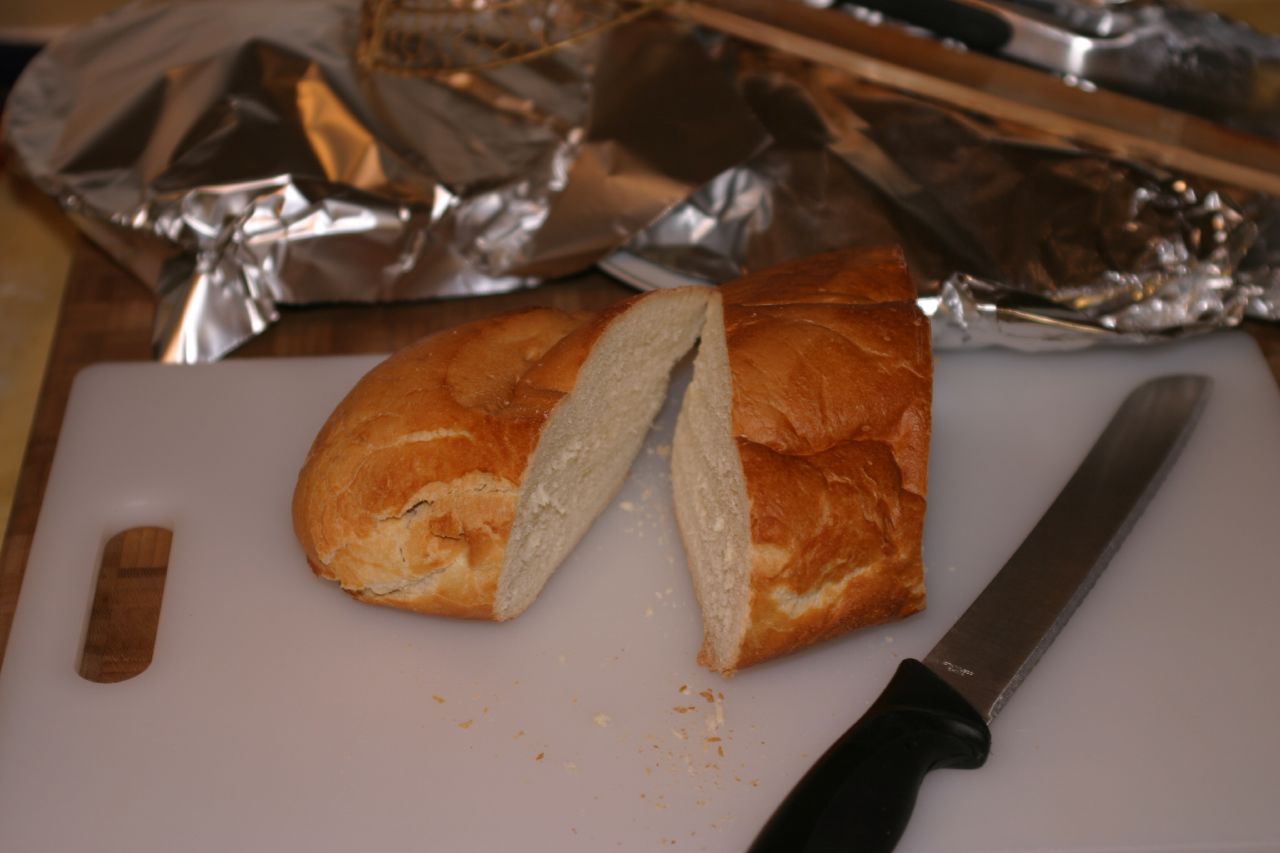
(594, 434)
(710, 492)
(800, 456)
(459, 473)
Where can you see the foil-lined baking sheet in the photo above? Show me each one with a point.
(236, 158)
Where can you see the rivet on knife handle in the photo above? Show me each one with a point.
(860, 794)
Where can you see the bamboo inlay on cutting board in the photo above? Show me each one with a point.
(121, 637)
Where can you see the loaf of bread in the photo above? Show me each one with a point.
(459, 473)
(800, 457)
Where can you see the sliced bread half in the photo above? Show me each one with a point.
(459, 473)
(799, 463)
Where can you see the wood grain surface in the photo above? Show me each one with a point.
(121, 638)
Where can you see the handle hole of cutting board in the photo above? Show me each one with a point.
(121, 636)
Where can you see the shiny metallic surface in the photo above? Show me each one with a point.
(1002, 635)
(1164, 52)
(1015, 238)
(236, 158)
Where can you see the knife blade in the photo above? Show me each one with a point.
(935, 712)
(1187, 59)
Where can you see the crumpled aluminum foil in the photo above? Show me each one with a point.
(1159, 50)
(235, 158)
(1014, 238)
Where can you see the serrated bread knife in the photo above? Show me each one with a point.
(934, 713)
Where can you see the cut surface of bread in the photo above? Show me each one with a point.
(459, 473)
(710, 493)
(799, 462)
(593, 436)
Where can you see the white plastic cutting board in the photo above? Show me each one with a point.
(280, 715)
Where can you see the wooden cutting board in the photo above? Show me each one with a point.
(279, 715)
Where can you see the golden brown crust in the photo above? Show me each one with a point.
(860, 276)
(409, 492)
(832, 385)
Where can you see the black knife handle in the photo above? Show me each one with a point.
(859, 795)
(975, 28)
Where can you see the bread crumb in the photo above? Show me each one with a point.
(708, 695)
(540, 756)
(570, 766)
(648, 612)
(684, 709)
(519, 735)
(680, 734)
(684, 689)
(715, 719)
(465, 724)
(664, 450)
(440, 700)
(627, 506)
(602, 720)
